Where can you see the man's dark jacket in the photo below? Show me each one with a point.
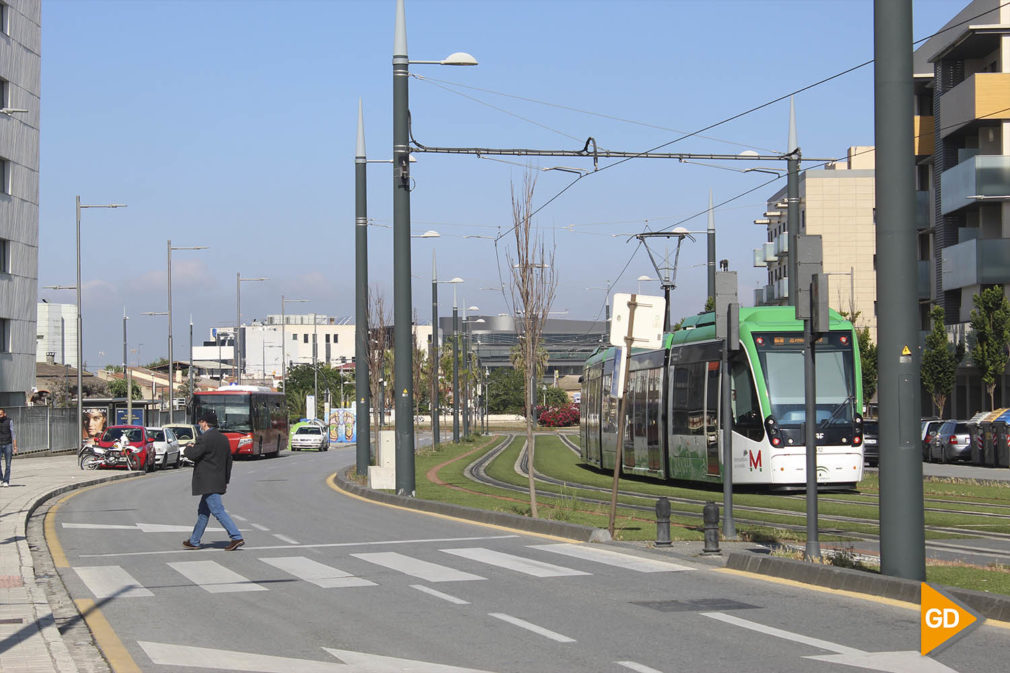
(211, 456)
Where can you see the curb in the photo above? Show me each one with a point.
(571, 531)
(990, 606)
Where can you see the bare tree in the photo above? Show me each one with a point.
(378, 347)
(534, 283)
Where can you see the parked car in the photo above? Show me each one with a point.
(141, 443)
(871, 450)
(166, 447)
(951, 442)
(929, 428)
(186, 434)
(310, 437)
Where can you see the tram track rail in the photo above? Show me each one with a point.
(477, 471)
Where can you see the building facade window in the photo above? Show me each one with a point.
(4, 19)
(5, 256)
(5, 176)
(305, 338)
(5, 341)
(5, 93)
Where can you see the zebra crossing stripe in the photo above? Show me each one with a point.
(111, 581)
(430, 572)
(214, 578)
(611, 558)
(517, 563)
(317, 573)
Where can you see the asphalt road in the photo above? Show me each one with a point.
(327, 582)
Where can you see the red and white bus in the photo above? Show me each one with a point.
(253, 418)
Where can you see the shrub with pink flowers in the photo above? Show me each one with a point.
(558, 417)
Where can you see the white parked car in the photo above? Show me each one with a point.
(310, 437)
(186, 434)
(166, 447)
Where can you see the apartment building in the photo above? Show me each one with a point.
(962, 108)
(837, 204)
(20, 81)
(56, 337)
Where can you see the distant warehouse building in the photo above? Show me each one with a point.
(20, 80)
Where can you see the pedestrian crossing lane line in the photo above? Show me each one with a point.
(111, 581)
(611, 558)
(317, 573)
(516, 563)
(431, 572)
(214, 577)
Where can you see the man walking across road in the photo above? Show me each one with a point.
(8, 447)
(211, 456)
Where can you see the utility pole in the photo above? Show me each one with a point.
(902, 518)
(362, 396)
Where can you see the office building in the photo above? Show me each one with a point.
(20, 67)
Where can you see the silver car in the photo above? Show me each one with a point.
(951, 442)
(166, 447)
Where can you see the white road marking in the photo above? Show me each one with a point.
(637, 667)
(165, 654)
(779, 633)
(284, 538)
(516, 563)
(214, 578)
(238, 518)
(325, 545)
(317, 573)
(908, 661)
(111, 581)
(259, 527)
(430, 572)
(142, 527)
(439, 594)
(99, 526)
(612, 558)
(539, 630)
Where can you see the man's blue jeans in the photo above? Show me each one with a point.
(6, 453)
(211, 504)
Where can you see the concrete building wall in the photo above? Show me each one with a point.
(20, 68)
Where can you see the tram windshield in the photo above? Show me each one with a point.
(781, 358)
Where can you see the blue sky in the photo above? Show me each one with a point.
(231, 124)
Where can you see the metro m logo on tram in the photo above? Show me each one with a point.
(755, 460)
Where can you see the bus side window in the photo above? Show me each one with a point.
(746, 406)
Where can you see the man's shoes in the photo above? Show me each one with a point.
(235, 544)
(5, 484)
(189, 545)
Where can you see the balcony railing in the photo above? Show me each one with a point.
(922, 204)
(976, 262)
(980, 177)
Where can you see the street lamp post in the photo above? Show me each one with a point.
(153, 384)
(467, 401)
(455, 367)
(435, 407)
(403, 344)
(171, 354)
(238, 322)
(284, 341)
(80, 321)
(191, 355)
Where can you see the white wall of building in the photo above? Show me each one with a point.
(56, 332)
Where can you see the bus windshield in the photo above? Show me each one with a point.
(232, 411)
(781, 359)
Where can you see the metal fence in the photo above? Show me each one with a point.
(45, 428)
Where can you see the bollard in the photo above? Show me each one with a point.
(663, 522)
(710, 514)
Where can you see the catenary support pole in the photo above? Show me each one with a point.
(434, 354)
(403, 390)
(361, 391)
(902, 522)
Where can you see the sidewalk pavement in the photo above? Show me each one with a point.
(30, 642)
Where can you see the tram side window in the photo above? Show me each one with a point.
(746, 406)
(655, 397)
(712, 398)
(638, 383)
(688, 399)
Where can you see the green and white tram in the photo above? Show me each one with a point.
(674, 414)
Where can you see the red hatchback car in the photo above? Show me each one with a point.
(141, 443)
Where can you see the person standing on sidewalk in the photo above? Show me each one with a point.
(8, 447)
(211, 456)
